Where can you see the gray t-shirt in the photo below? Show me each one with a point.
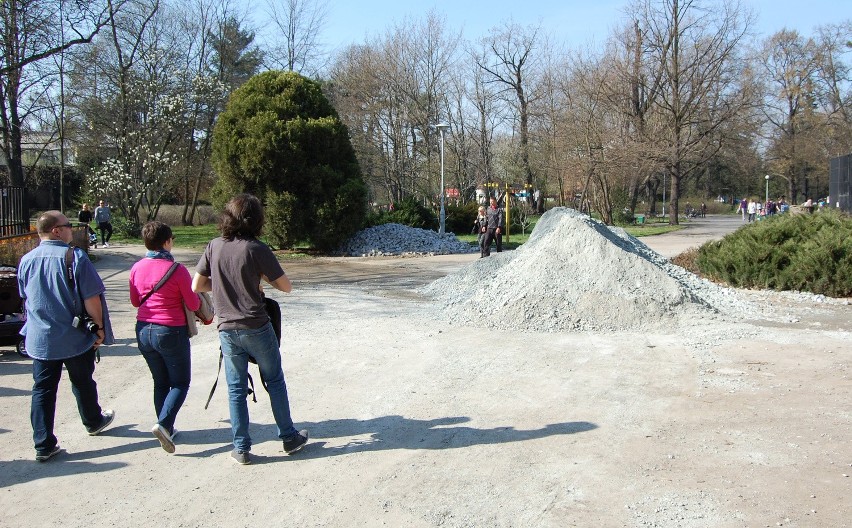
(234, 267)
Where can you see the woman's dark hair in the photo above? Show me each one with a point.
(242, 217)
(155, 234)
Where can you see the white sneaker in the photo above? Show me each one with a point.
(106, 244)
(164, 437)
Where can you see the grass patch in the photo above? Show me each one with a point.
(652, 229)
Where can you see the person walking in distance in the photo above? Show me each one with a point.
(66, 322)
(103, 217)
(495, 225)
(161, 325)
(232, 267)
(752, 210)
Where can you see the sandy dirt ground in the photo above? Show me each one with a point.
(414, 423)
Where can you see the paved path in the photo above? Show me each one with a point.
(697, 232)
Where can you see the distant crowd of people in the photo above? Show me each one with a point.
(753, 209)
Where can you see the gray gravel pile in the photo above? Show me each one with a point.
(575, 273)
(397, 239)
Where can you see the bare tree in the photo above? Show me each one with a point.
(697, 47)
(298, 25)
(389, 93)
(512, 64)
(29, 36)
(789, 63)
(834, 82)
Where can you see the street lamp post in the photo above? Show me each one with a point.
(441, 127)
(767, 191)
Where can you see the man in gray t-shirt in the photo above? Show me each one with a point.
(232, 267)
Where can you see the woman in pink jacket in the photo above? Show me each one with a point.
(161, 326)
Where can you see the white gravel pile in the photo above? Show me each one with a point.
(397, 239)
(575, 273)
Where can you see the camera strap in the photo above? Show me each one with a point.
(159, 284)
(69, 273)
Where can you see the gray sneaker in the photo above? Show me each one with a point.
(241, 457)
(106, 419)
(166, 440)
(47, 455)
(293, 444)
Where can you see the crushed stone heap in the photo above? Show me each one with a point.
(397, 239)
(576, 273)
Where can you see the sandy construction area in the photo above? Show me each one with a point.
(415, 423)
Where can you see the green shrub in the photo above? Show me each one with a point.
(460, 218)
(125, 228)
(281, 139)
(408, 212)
(787, 252)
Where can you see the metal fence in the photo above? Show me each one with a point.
(840, 183)
(14, 211)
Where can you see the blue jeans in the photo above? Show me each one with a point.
(46, 375)
(166, 350)
(262, 344)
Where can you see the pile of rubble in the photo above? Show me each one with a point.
(397, 239)
(576, 273)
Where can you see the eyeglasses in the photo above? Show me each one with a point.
(68, 225)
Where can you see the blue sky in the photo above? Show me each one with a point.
(573, 22)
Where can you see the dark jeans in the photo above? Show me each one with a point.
(46, 376)
(166, 350)
(490, 235)
(106, 231)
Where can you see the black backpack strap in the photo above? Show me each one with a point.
(159, 285)
(216, 382)
(273, 309)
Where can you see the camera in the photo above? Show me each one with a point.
(84, 322)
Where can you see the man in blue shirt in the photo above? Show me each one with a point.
(103, 217)
(52, 305)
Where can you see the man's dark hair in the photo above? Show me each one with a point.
(155, 234)
(243, 217)
(47, 221)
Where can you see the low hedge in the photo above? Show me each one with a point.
(802, 252)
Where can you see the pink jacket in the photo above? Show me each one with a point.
(165, 307)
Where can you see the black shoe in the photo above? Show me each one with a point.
(241, 457)
(297, 442)
(106, 419)
(47, 455)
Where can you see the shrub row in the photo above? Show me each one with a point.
(799, 252)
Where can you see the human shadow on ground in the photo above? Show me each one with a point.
(61, 465)
(20, 471)
(398, 432)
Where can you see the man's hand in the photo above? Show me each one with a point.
(99, 337)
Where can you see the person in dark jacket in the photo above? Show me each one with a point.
(495, 226)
